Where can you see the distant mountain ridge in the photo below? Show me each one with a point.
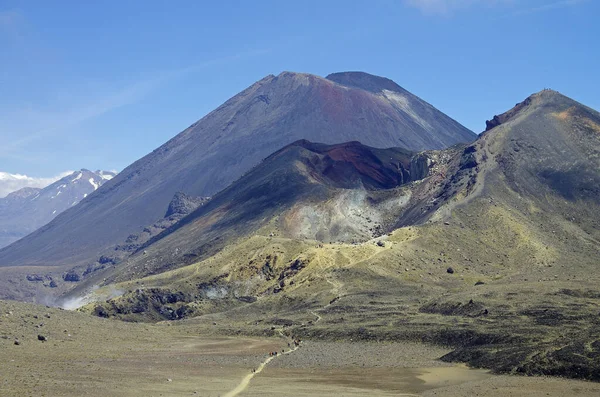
(12, 182)
(27, 209)
(215, 151)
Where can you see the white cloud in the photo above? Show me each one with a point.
(13, 182)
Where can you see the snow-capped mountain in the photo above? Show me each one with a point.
(12, 182)
(27, 209)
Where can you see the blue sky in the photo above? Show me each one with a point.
(100, 84)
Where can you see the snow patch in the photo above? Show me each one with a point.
(84, 195)
(104, 176)
(93, 183)
(79, 174)
(53, 212)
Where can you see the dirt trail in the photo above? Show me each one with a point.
(337, 286)
(317, 316)
(246, 381)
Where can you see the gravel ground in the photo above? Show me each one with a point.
(362, 354)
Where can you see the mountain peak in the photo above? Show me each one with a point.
(218, 149)
(545, 97)
(364, 81)
(288, 73)
(23, 193)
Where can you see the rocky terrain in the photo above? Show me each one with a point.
(218, 149)
(27, 209)
(296, 178)
(488, 250)
(492, 253)
(47, 351)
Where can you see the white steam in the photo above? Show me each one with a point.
(216, 292)
(95, 295)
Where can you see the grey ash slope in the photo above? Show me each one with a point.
(215, 151)
(424, 128)
(548, 151)
(27, 209)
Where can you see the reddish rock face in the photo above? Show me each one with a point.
(350, 164)
(502, 118)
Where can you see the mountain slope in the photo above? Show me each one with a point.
(495, 252)
(210, 154)
(27, 209)
(549, 150)
(288, 183)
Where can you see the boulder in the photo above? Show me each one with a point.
(71, 276)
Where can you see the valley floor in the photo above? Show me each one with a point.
(84, 355)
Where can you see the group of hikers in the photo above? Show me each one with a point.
(295, 342)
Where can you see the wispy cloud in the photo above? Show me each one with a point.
(47, 116)
(446, 7)
(11, 24)
(26, 125)
(12, 182)
(9, 19)
(550, 6)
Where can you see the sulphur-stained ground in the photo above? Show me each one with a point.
(84, 355)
